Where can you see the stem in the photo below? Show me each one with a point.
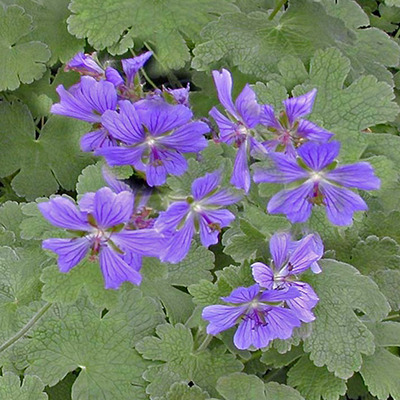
(272, 375)
(280, 4)
(26, 328)
(253, 356)
(205, 343)
(396, 36)
(394, 316)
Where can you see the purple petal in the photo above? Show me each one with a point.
(293, 202)
(242, 294)
(341, 203)
(115, 184)
(241, 173)
(284, 170)
(208, 234)
(297, 107)
(180, 95)
(132, 65)
(267, 117)
(222, 197)
(221, 318)
(263, 275)
(279, 295)
(170, 219)
(281, 322)
(111, 209)
(180, 242)
(160, 117)
(201, 187)
(125, 125)
(318, 156)
(188, 138)
(175, 163)
(303, 304)
(123, 156)
(249, 333)
(64, 214)
(221, 217)
(223, 83)
(115, 270)
(70, 251)
(303, 256)
(113, 76)
(144, 242)
(84, 64)
(248, 108)
(279, 248)
(313, 132)
(86, 202)
(359, 175)
(226, 127)
(97, 139)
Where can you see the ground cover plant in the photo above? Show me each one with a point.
(199, 200)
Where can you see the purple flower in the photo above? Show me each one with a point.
(290, 259)
(202, 210)
(323, 183)
(87, 101)
(237, 130)
(100, 225)
(180, 95)
(131, 66)
(85, 64)
(261, 314)
(153, 137)
(289, 128)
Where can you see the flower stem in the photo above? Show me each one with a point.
(280, 4)
(144, 73)
(26, 328)
(205, 343)
(390, 317)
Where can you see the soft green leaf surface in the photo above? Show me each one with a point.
(315, 383)
(239, 386)
(21, 60)
(103, 23)
(339, 338)
(181, 391)
(11, 388)
(46, 163)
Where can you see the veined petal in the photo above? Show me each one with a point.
(115, 270)
(279, 295)
(313, 132)
(226, 127)
(241, 173)
(111, 209)
(222, 197)
(267, 117)
(63, 213)
(170, 219)
(249, 333)
(221, 217)
(281, 322)
(205, 185)
(279, 247)
(113, 76)
(221, 317)
(115, 184)
(341, 203)
(144, 242)
(223, 83)
(123, 156)
(263, 275)
(284, 170)
(303, 256)
(96, 139)
(160, 117)
(300, 106)
(208, 234)
(131, 66)
(359, 175)
(247, 107)
(242, 295)
(70, 251)
(125, 125)
(318, 156)
(303, 304)
(84, 64)
(188, 138)
(179, 244)
(86, 202)
(293, 202)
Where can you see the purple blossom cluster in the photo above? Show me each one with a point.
(152, 131)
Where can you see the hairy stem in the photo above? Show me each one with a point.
(280, 4)
(26, 328)
(205, 343)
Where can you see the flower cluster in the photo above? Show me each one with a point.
(152, 132)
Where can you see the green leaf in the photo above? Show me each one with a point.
(12, 389)
(275, 359)
(103, 23)
(381, 370)
(21, 60)
(315, 383)
(175, 347)
(275, 391)
(181, 391)
(46, 163)
(10, 219)
(256, 44)
(76, 336)
(50, 27)
(389, 283)
(339, 337)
